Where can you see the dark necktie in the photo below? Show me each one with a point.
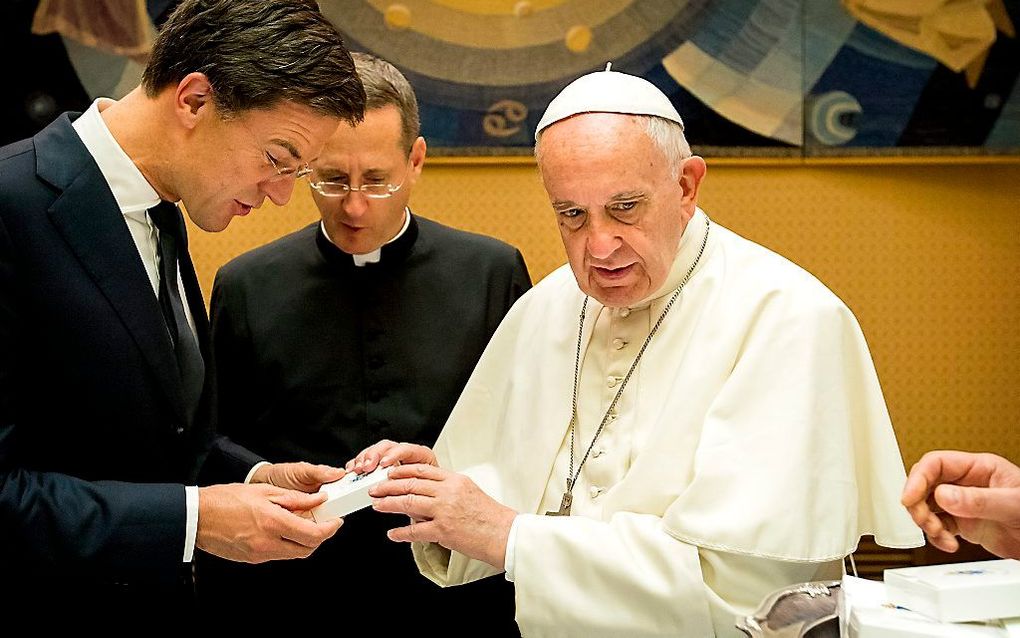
(172, 246)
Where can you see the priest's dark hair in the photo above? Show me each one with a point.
(385, 85)
(256, 54)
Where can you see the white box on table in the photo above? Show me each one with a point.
(866, 612)
(960, 592)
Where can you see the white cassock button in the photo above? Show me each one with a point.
(625, 312)
(618, 344)
(595, 491)
(611, 382)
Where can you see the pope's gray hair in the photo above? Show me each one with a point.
(667, 135)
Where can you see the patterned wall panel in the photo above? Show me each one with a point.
(762, 77)
(752, 77)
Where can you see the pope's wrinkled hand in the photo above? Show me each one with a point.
(387, 453)
(445, 508)
(974, 496)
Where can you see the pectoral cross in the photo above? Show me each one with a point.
(564, 506)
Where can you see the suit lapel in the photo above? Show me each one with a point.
(87, 216)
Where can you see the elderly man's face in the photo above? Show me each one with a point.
(620, 211)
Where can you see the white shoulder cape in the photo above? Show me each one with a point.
(770, 435)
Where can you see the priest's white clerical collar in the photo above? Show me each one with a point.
(374, 256)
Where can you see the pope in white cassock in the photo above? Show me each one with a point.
(665, 431)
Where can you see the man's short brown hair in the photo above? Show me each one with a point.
(385, 85)
(256, 54)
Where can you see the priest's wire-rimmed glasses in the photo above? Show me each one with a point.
(372, 190)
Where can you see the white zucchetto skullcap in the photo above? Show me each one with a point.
(609, 92)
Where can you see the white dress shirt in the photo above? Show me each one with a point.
(135, 196)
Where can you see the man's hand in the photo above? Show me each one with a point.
(387, 453)
(445, 508)
(257, 523)
(303, 477)
(976, 496)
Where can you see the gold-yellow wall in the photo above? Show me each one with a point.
(927, 254)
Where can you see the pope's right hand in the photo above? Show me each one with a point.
(387, 453)
(258, 523)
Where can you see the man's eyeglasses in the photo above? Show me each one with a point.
(283, 172)
(339, 189)
(342, 189)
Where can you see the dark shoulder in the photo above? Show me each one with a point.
(461, 242)
(15, 150)
(276, 257)
(18, 163)
(22, 194)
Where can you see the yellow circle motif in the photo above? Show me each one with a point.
(397, 16)
(523, 9)
(578, 38)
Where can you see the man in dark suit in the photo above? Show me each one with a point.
(363, 326)
(106, 393)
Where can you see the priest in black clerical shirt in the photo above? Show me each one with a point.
(361, 327)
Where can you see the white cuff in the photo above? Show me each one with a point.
(511, 548)
(251, 472)
(191, 523)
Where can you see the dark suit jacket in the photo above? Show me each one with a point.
(319, 358)
(94, 440)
